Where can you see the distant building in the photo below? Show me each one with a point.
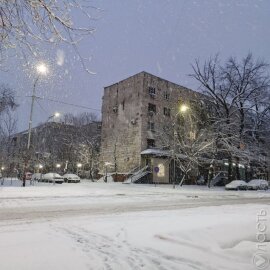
(54, 142)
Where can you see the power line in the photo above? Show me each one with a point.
(41, 107)
(66, 103)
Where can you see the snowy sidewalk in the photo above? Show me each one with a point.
(206, 238)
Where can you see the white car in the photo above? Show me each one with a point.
(236, 185)
(71, 178)
(53, 178)
(256, 184)
(36, 177)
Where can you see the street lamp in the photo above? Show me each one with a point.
(41, 69)
(182, 109)
(55, 115)
(106, 164)
(79, 165)
(58, 165)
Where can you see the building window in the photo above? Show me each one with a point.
(151, 126)
(166, 95)
(150, 143)
(167, 112)
(152, 108)
(115, 109)
(152, 91)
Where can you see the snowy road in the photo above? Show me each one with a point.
(99, 199)
(115, 227)
(118, 206)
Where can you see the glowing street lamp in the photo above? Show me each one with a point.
(183, 108)
(55, 115)
(79, 165)
(41, 69)
(58, 165)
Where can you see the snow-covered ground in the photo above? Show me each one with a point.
(115, 226)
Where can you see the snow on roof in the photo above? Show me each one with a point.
(161, 153)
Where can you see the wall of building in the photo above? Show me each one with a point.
(121, 125)
(125, 118)
(167, 96)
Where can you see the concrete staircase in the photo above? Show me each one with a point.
(137, 175)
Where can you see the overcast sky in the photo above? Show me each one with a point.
(162, 37)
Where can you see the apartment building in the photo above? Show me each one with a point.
(134, 113)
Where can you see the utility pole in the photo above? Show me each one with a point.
(174, 155)
(31, 113)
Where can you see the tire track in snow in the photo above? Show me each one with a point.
(117, 254)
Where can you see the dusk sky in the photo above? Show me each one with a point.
(162, 37)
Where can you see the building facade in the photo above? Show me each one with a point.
(134, 113)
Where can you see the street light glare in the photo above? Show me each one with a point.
(183, 108)
(42, 69)
(56, 114)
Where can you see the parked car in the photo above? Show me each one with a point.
(71, 178)
(52, 178)
(37, 177)
(236, 185)
(256, 184)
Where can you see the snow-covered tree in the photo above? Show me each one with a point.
(8, 122)
(238, 91)
(26, 24)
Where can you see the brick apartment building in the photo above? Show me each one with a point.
(134, 112)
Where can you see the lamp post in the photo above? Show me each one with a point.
(182, 109)
(79, 165)
(41, 69)
(2, 175)
(55, 115)
(106, 164)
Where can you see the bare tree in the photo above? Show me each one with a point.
(27, 23)
(190, 136)
(8, 123)
(237, 91)
(7, 99)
